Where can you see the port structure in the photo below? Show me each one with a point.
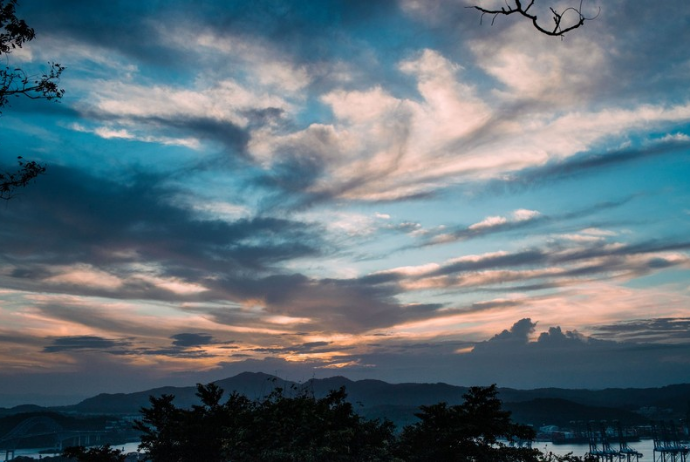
(667, 445)
(44, 426)
(625, 452)
(600, 444)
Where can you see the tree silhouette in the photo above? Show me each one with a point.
(14, 81)
(10, 181)
(476, 431)
(279, 428)
(564, 21)
(96, 454)
(295, 426)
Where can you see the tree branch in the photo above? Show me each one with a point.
(559, 27)
(15, 82)
(11, 181)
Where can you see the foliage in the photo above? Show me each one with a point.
(293, 425)
(279, 428)
(96, 454)
(14, 33)
(476, 431)
(302, 428)
(569, 457)
(14, 81)
(10, 181)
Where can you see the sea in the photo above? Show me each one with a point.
(38, 453)
(646, 447)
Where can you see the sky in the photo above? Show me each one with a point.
(391, 189)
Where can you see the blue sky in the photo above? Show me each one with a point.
(385, 189)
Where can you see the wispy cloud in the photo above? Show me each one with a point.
(374, 187)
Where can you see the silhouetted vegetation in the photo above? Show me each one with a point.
(96, 454)
(279, 428)
(563, 21)
(16, 82)
(476, 431)
(296, 426)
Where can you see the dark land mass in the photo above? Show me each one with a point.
(563, 413)
(399, 402)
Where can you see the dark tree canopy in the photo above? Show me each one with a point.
(563, 21)
(302, 428)
(15, 82)
(477, 430)
(279, 428)
(95, 454)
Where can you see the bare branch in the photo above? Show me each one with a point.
(575, 18)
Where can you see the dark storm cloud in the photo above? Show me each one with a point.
(84, 342)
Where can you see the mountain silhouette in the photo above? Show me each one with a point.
(399, 402)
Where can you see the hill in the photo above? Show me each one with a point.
(399, 402)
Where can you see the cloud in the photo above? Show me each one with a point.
(211, 175)
(85, 342)
(587, 163)
(328, 305)
(191, 340)
(666, 330)
(393, 126)
(139, 240)
(519, 333)
(556, 358)
(232, 271)
(521, 218)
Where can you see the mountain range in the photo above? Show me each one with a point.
(399, 402)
